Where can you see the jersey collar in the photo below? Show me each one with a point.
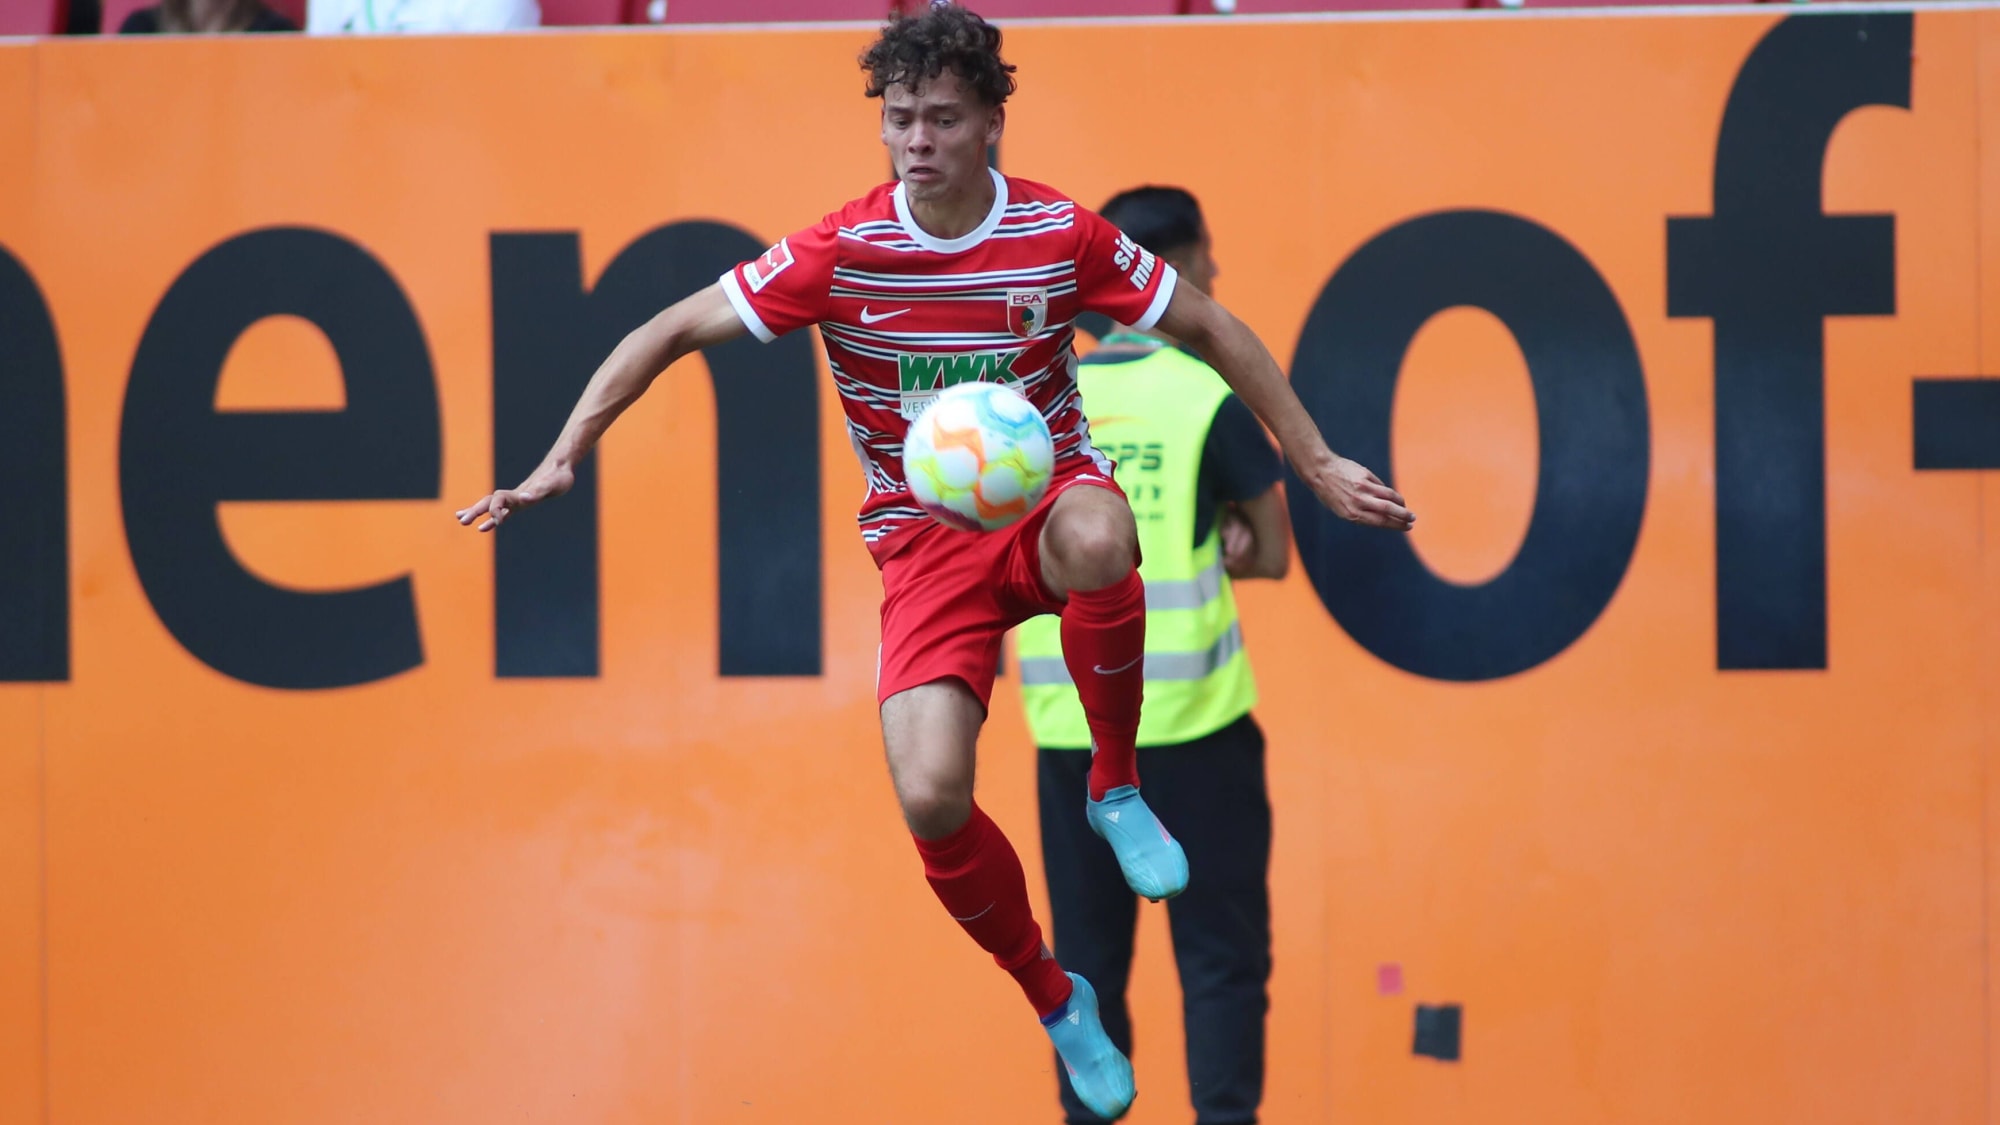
(964, 242)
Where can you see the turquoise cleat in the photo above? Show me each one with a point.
(1099, 1072)
(1153, 862)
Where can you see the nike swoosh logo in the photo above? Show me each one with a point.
(975, 917)
(877, 318)
(1103, 671)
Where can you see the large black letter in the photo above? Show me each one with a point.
(1766, 267)
(1590, 404)
(548, 336)
(546, 340)
(34, 507)
(178, 457)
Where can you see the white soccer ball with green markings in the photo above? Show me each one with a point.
(978, 457)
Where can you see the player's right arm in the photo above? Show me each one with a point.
(700, 321)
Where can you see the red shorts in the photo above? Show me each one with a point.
(949, 596)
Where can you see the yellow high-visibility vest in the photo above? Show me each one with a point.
(1152, 415)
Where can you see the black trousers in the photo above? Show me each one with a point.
(1211, 794)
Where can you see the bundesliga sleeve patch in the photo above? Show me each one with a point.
(775, 261)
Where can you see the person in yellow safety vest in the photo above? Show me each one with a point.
(1203, 481)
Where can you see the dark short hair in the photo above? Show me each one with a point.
(912, 50)
(1161, 219)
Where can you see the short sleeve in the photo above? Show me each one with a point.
(1117, 277)
(1237, 457)
(786, 287)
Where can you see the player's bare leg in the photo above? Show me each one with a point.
(1090, 556)
(931, 733)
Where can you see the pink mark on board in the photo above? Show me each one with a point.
(1389, 979)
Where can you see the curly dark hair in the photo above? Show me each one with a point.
(912, 50)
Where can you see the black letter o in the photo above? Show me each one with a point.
(1590, 403)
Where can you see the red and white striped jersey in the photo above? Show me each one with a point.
(904, 314)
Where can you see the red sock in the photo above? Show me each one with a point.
(979, 879)
(1104, 647)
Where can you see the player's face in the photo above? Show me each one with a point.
(1196, 264)
(937, 137)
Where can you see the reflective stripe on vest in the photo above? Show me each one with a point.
(1191, 593)
(1152, 415)
(1160, 666)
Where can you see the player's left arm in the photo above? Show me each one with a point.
(1215, 334)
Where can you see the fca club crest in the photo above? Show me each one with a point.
(1027, 311)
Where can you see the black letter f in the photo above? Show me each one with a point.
(1767, 266)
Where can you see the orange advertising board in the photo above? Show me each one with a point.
(1660, 747)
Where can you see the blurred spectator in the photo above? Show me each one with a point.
(84, 17)
(1203, 482)
(362, 17)
(202, 16)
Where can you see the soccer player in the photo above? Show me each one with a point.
(958, 272)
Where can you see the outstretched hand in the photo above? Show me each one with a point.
(1353, 493)
(544, 483)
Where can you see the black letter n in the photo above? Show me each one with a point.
(34, 514)
(549, 335)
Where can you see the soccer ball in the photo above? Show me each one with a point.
(979, 457)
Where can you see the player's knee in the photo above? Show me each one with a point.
(935, 809)
(1100, 551)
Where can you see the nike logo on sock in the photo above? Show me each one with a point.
(1103, 671)
(976, 917)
